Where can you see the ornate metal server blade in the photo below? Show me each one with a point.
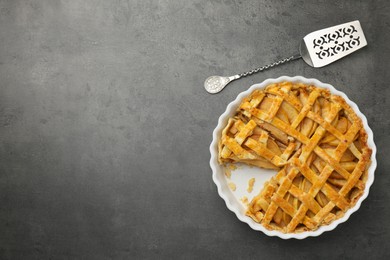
(325, 46)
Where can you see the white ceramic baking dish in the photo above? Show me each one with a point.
(241, 175)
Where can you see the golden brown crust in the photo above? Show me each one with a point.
(315, 140)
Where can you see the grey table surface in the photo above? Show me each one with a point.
(105, 125)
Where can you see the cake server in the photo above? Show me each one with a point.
(317, 49)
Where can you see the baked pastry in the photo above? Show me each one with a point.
(316, 142)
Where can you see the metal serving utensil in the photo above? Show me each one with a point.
(317, 49)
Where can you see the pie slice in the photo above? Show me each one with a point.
(314, 140)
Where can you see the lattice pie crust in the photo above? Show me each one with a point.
(316, 142)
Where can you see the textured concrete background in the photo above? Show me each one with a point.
(105, 126)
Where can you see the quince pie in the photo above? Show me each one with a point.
(316, 142)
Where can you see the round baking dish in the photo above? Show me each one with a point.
(241, 175)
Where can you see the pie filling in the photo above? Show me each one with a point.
(316, 142)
